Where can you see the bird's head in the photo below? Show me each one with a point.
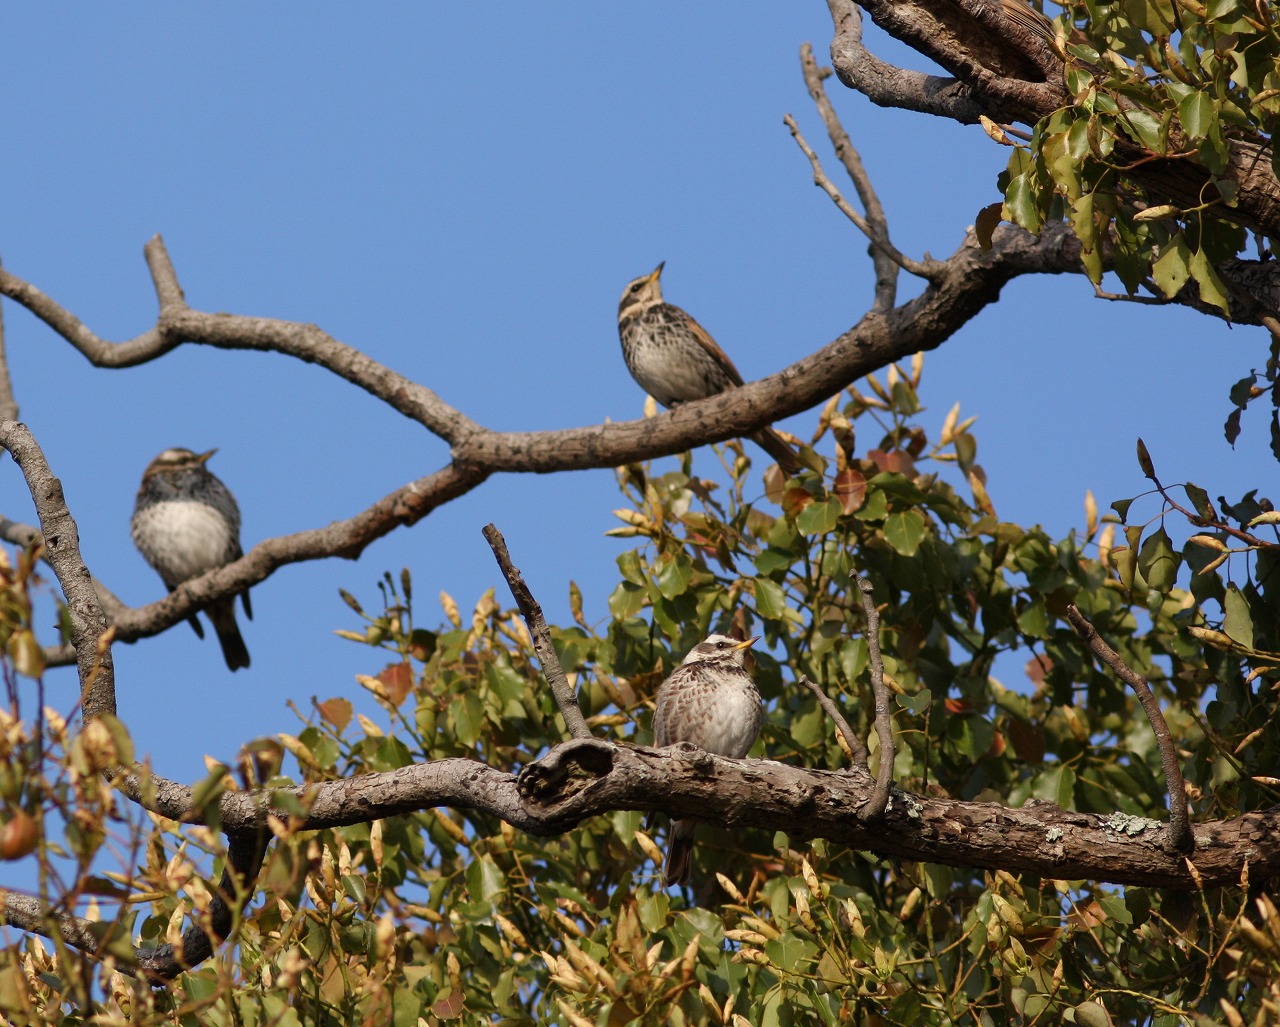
(641, 294)
(721, 649)
(177, 459)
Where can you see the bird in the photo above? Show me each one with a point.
(674, 360)
(711, 701)
(186, 522)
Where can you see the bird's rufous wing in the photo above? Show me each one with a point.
(713, 349)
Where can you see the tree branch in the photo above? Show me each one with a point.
(1179, 827)
(589, 777)
(884, 723)
(857, 750)
(62, 550)
(8, 404)
(885, 264)
(542, 644)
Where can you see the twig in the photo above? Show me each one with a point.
(1179, 827)
(886, 267)
(8, 404)
(856, 748)
(821, 180)
(884, 727)
(542, 645)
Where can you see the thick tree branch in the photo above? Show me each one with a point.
(589, 777)
(541, 634)
(1179, 827)
(62, 550)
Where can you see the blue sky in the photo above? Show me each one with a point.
(462, 192)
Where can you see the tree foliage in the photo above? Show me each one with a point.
(452, 916)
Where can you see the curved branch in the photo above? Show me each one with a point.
(1179, 826)
(857, 751)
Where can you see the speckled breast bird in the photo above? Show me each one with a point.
(186, 522)
(711, 701)
(674, 360)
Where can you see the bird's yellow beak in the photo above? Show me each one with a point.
(748, 643)
(204, 457)
(657, 272)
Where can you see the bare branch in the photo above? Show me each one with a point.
(1179, 827)
(8, 404)
(965, 284)
(542, 644)
(856, 749)
(885, 264)
(879, 242)
(884, 723)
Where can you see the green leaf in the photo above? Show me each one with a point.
(1020, 204)
(917, 703)
(904, 531)
(1206, 276)
(771, 601)
(1198, 114)
(1144, 461)
(484, 879)
(1238, 620)
(1171, 271)
(1146, 127)
(1159, 562)
(1116, 908)
(1200, 500)
(1034, 620)
(1231, 427)
(629, 565)
(674, 576)
(626, 600)
(790, 952)
(819, 518)
(1056, 785)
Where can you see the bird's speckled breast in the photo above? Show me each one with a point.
(182, 539)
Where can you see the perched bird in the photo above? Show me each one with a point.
(674, 360)
(186, 522)
(711, 701)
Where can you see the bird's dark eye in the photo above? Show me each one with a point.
(637, 287)
(722, 645)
